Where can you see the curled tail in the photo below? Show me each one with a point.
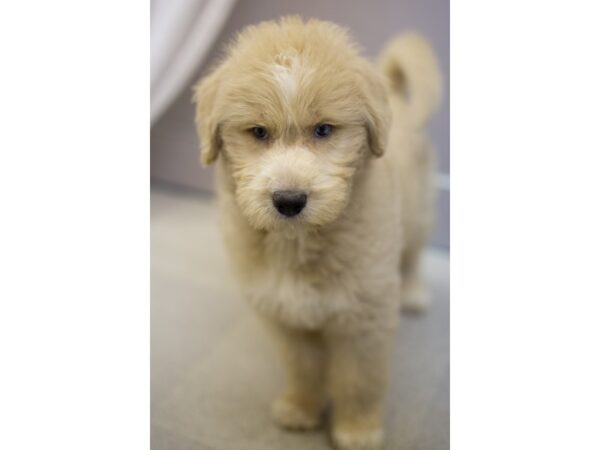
(411, 69)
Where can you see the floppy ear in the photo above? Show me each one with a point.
(207, 127)
(378, 116)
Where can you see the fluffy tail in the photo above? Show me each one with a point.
(411, 68)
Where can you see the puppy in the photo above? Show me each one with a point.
(325, 197)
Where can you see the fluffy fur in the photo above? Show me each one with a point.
(329, 281)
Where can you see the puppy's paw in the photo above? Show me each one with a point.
(358, 438)
(294, 415)
(415, 298)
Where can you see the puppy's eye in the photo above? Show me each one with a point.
(259, 133)
(323, 130)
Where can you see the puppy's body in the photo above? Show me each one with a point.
(329, 281)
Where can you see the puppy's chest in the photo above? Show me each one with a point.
(300, 281)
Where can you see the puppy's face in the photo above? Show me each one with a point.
(294, 112)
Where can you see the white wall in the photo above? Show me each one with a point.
(174, 145)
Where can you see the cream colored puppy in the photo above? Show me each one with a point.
(325, 196)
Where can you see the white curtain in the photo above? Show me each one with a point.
(182, 34)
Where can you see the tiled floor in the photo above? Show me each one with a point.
(214, 372)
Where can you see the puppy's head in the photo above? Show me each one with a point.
(294, 111)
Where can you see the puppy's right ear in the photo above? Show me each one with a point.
(207, 126)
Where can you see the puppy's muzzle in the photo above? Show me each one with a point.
(289, 203)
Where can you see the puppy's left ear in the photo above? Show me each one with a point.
(207, 127)
(379, 115)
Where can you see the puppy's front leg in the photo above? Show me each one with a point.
(301, 404)
(357, 375)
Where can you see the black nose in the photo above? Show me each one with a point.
(289, 203)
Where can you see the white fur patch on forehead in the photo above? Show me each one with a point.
(288, 71)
